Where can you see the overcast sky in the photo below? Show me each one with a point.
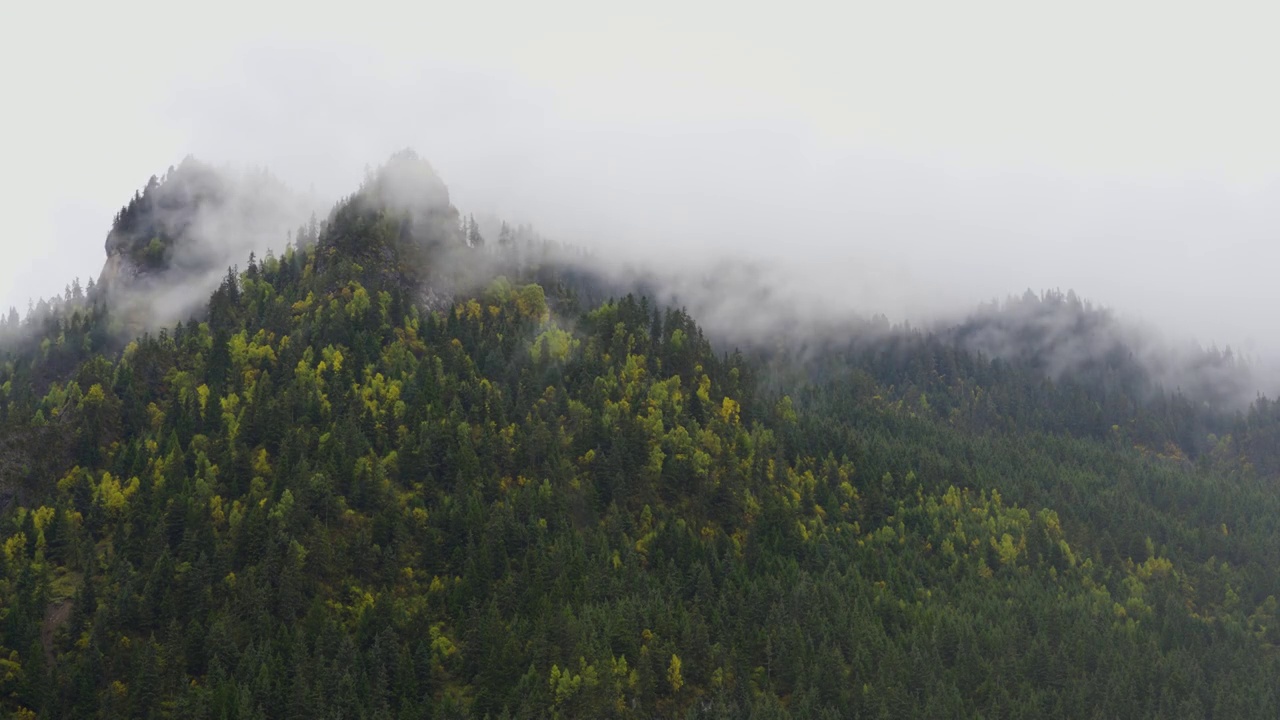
(903, 157)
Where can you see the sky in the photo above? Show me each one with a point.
(909, 158)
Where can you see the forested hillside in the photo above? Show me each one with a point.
(340, 491)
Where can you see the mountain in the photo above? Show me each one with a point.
(170, 245)
(397, 471)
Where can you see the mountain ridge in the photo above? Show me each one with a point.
(334, 493)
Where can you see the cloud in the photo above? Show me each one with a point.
(172, 245)
(877, 228)
(912, 169)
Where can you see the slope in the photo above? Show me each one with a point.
(321, 499)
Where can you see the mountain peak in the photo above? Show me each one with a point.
(146, 232)
(398, 227)
(177, 236)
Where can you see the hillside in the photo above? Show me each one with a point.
(395, 472)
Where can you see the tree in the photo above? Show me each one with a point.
(674, 678)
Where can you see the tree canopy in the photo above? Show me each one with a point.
(327, 497)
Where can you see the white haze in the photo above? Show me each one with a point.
(911, 159)
(241, 212)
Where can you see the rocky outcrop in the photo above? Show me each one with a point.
(172, 243)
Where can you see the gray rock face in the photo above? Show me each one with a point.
(118, 270)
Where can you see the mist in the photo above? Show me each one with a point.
(913, 176)
(175, 242)
(866, 229)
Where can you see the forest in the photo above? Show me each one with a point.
(397, 471)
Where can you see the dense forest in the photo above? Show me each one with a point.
(398, 471)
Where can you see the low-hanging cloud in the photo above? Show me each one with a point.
(863, 228)
(749, 212)
(169, 248)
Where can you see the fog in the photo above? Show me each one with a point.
(912, 162)
(211, 219)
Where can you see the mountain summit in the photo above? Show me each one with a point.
(174, 240)
(160, 225)
(398, 228)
